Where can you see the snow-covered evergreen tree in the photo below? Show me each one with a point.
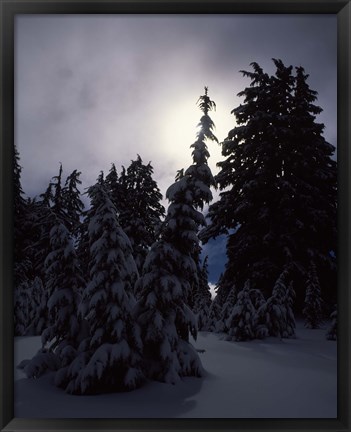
(240, 324)
(38, 222)
(214, 323)
(44, 212)
(83, 242)
(38, 311)
(31, 315)
(22, 303)
(278, 184)
(63, 282)
(227, 310)
(72, 203)
(202, 300)
(137, 199)
(168, 273)
(313, 307)
(277, 314)
(259, 321)
(214, 315)
(109, 359)
(171, 269)
(112, 185)
(115, 186)
(199, 173)
(143, 212)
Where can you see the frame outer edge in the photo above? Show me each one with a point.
(7, 423)
(344, 210)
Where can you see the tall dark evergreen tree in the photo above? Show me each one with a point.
(44, 214)
(278, 184)
(143, 212)
(171, 270)
(199, 172)
(72, 204)
(312, 197)
(116, 188)
(137, 199)
(83, 243)
(58, 204)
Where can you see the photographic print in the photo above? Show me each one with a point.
(175, 228)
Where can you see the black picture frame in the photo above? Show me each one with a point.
(8, 11)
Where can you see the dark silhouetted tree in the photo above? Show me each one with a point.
(278, 182)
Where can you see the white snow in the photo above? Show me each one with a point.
(290, 378)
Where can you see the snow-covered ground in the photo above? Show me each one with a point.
(295, 378)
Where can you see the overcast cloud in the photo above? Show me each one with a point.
(92, 90)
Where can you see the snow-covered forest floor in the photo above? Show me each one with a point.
(272, 378)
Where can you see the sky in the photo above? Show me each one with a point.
(95, 89)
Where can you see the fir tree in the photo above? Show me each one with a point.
(83, 244)
(171, 270)
(313, 301)
(60, 338)
(199, 173)
(227, 310)
(137, 197)
(141, 217)
(64, 282)
(116, 188)
(214, 322)
(44, 213)
(22, 307)
(202, 300)
(72, 203)
(276, 314)
(313, 174)
(260, 318)
(277, 167)
(38, 311)
(30, 308)
(111, 185)
(240, 323)
(109, 359)
(168, 274)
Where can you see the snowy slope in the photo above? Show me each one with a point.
(259, 379)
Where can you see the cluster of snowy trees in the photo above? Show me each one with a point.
(115, 291)
(118, 285)
(246, 314)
